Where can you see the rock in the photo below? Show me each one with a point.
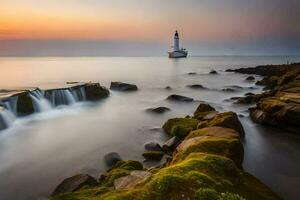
(180, 127)
(226, 120)
(175, 97)
(213, 72)
(249, 94)
(24, 104)
(203, 140)
(159, 110)
(228, 90)
(168, 88)
(258, 115)
(94, 91)
(153, 155)
(250, 78)
(130, 181)
(171, 144)
(203, 107)
(196, 86)
(74, 183)
(152, 146)
(192, 73)
(112, 158)
(123, 86)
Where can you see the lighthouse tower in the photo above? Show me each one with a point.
(176, 42)
(177, 51)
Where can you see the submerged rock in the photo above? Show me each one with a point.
(123, 86)
(74, 183)
(159, 110)
(112, 158)
(168, 88)
(153, 155)
(196, 86)
(213, 72)
(175, 97)
(152, 146)
(192, 73)
(250, 78)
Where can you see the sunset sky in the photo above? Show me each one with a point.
(209, 23)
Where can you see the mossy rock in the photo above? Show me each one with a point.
(212, 140)
(203, 108)
(180, 127)
(226, 120)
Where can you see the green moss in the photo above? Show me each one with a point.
(207, 194)
(153, 155)
(180, 127)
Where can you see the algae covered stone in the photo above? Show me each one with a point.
(180, 127)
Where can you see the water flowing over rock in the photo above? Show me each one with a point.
(22, 102)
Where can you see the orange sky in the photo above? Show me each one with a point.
(140, 19)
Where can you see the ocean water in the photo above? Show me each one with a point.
(37, 152)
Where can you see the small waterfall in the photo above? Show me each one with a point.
(78, 93)
(40, 104)
(62, 97)
(11, 104)
(6, 118)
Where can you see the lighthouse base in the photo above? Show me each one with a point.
(178, 54)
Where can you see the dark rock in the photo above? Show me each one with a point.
(203, 107)
(153, 155)
(159, 110)
(74, 183)
(123, 86)
(249, 94)
(192, 73)
(213, 72)
(250, 78)
(228, 90)
(171, 144)
(175, 97)
(24, 104)
(94, 91)
(168, 88)
(112, 158)
(196, 86)
(152, 146)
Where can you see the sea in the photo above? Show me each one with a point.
(38, 151)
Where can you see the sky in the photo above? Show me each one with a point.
(107, 27)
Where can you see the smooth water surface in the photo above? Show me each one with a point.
(39, 151)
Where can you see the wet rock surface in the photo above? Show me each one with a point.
(159, 110)
(112, 158)
(120, 86)
(179, 98)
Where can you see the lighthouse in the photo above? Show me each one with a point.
(177, 52)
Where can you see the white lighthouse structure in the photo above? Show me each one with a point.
(177, 52)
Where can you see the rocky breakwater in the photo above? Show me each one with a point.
(280, 105)
(206, 164)
(25, 101)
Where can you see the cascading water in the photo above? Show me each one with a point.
(40, 104)
(62, 97)
(6, 118)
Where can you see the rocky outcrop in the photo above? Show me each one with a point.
(179, 98)
(213, 72)
(74, 183)
(206, 164)
(94, 91)
(119, 86)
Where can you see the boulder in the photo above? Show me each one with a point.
(152, 146)
(130, 181)
(179, 98)
(123, 86)
(74, 183)
(171, 144)
(153, 155)
(226, 120)
(203, 107)
(94, 91)
(213, 72)
(250, 78)
(112, 158)
(180, 127)
(159, 110)
(24, 104)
